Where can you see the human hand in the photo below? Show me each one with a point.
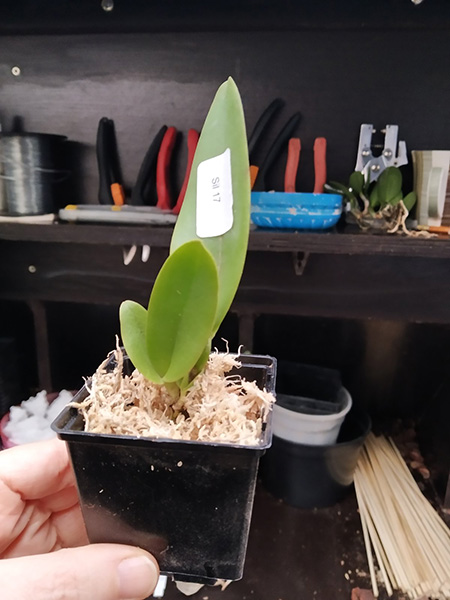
(43, 538)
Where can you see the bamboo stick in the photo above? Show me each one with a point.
(410, 541)
(373, 579)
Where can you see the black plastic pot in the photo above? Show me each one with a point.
(188, 503)
(315, 476)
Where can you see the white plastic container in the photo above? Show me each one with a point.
(303, 427)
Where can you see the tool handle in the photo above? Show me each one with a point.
(280, 141)
(293, 159)
(162, 169)
(103, 160)
(192, 141)
(118, 194)
(262, 123)
(320, 164)
(142, 189)
(254, 170)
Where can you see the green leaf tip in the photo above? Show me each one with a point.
(216, 208)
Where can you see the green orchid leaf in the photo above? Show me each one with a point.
(409, 200)
(216, 207)
(185, 382)
(396, 199)
(339, 188)
(389, 185)
(335, 186)
(356, 182)
(367, 185)
(200, 364)
(181, 311)
(374, 200)
(133, 324)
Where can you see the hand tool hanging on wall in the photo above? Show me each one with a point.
(110, 182)
(153, 186)
(320, 164)
(163, 187)
(293, 159)
(280, 142)
(292, 163)
(372, 166)
(192, 141)
(258, 132)
(143, 189)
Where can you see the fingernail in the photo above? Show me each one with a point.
(137, 578)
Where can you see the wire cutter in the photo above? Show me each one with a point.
(155, 171)
(258, 173)
(110, 181)
(293, 159)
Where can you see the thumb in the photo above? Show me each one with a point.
(100, 571)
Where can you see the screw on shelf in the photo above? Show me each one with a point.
(107, 5)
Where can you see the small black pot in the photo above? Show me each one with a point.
(188, 503)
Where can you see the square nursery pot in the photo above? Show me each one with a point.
(188, 503)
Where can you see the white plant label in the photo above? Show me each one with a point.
(214, 196)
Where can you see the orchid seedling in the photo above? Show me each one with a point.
(170, 341)
(378, 204)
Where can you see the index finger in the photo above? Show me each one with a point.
(36, 470)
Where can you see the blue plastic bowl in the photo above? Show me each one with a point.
(295, 211)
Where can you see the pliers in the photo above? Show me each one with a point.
(258, 174)
(154, 173)
(110, 189)
(156, 166)
(293, 159)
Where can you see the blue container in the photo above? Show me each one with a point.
(282, 210)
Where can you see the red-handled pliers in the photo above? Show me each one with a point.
(155, 171)
(163, 190)
(320, 165)
(293, 159)
(192, 141)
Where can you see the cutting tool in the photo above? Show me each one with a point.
(293, 159)
(110, 182)
(320, 164)
(258, 132)
(292, 163)
(143, 190)
(280, 142)
(192, 141)
(372, 166)
(153, 183)
(155, 171)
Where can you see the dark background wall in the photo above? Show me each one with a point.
(151, 63)
(146, 64)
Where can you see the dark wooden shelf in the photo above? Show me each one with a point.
(351, 243)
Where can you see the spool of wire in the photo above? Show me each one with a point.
(28, 172)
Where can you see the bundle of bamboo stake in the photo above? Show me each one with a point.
(402, 532)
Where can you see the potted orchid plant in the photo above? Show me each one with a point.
(166, 436)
